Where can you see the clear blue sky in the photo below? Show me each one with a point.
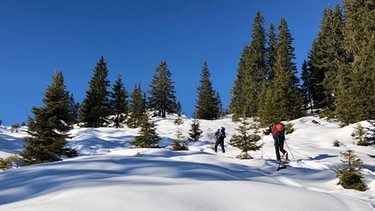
(40, 36)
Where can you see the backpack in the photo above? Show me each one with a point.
(221, 134)
(277, 128)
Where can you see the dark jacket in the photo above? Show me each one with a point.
(220, 134)
(275, 133)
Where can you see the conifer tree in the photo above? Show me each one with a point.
(179, 120)
(371, 138)
(306, 87)
(148, 137)
(324, 59)
(136, 107)
(356, 98)
(219, 104)
(256, 68)
(195, 132)
(318, 60)
(208, 103)
(271, 53)
(119, 102)
(237, 103)
(337, 55)
(178, 108)
(350, 174)
(244, 140)
(360, 134)
(49, 129)
(283, 100)
(265, 104)
(96, 107)
(180, 142)
(73, 110)
(162, 97)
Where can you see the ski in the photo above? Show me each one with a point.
(282, 165)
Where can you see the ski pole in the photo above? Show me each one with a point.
(262, 143)
(290, 150)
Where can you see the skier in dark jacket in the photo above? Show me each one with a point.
(278, 134)
(219, 135)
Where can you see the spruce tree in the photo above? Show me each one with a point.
(326, 55)
(208, 103)
(318, 60)
(73, 110)
(350, 174)
(256, 68)
(148, 137)
(306, 88)
(237, 103)
(356, 100)
(219, 105)
(265, 105)
(343, 98)
(271, 53)
(119, 102)
(136, 107)
(180, 143)
(283, 99)
(195, 132)
(337, 55)
(178, 108)
(48, 129)
(96, 107)
(162, 97)
(371, 138)
(360, 134)
(244, 140)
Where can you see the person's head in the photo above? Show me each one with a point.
(273, 123)
(222, 128)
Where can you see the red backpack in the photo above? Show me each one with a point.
(277, 128)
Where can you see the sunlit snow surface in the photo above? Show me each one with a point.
(109, 174)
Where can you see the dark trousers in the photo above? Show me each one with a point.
(220, 142)
(279, 145)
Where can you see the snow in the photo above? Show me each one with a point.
(109, 174)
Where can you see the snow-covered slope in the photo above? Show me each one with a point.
(111, 175)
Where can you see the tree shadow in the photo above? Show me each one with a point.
(324, 156)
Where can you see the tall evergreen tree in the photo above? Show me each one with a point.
(49, 129)
(283, 99)
(96, 107)
(356, 100)
(306, 87)
(73, 110)
(237, 103)
(343, 110)
(119, 102)
(256, 67)
(265, 105)
(208, 102)
(324, 59)
(271, 53)
(178, 108)
(162, 97)
(337, 55)
(219, 104)
(318, 60)
(136, 107)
